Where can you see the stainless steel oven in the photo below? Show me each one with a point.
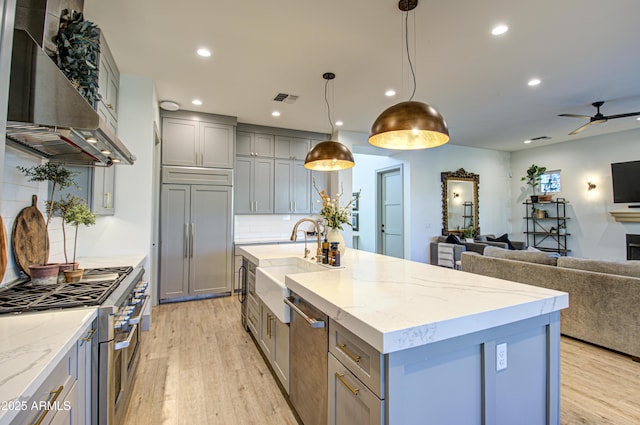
(119, 333)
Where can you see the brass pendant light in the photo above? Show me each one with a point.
(329, 155)
(411, 124)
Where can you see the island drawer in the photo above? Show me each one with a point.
(50, 397)
(360, 358)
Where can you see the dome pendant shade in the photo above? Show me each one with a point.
(409, 125)
(329, 156)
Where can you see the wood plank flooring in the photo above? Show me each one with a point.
(198, 366)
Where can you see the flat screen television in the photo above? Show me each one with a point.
(626, 181)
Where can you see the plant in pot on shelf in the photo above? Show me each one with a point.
(77, 214)
(60, 177)
(468, 233)
(533, 177)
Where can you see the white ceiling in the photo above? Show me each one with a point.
(582, 50)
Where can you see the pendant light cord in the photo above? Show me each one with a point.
(326, 100)
(406, 38)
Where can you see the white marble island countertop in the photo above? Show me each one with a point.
(395, 304)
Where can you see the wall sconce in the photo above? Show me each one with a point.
(590, 185)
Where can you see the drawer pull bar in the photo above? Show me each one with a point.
(353, 357)
(56, 394)
(340, 377)
(316, 324)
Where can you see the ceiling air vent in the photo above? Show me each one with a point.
(541, 138)
(286, 98)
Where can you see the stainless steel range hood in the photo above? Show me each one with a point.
(49, 117)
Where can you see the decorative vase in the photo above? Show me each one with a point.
(540, 214)
(544, 198)
(73, 275)
(534, 199)
(64, 267)
(44, 274)
(335, 235)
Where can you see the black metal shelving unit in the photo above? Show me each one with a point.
(468, 214)
(543, 233)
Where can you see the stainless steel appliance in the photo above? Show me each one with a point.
(308, 347)
(121, 297)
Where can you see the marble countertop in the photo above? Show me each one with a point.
(395, 304)
(32, 344)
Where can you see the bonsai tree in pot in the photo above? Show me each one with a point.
(534, 174)
(60, 209)
(76, 214)
(59, 177)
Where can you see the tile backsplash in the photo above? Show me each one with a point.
(267, 227)
(16, 195)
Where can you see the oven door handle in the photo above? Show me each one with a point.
(119, 345)
(136, 319)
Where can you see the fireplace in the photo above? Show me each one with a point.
(633, 247)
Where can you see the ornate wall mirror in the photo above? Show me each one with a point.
(460, 202)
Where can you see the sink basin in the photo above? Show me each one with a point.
(270, 285)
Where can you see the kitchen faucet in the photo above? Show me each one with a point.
(294, 236)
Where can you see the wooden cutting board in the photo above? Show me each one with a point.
(3, 250)
(29, 240)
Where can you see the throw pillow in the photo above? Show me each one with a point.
(454, 239)
(504, 238)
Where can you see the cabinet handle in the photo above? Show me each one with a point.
(193, 236)
(186, 240)
(89, 336)
(340, 377)
(295, 206)
(256, 209)
(107, 200)
(51, 402)
(353, 357)
(110, 106)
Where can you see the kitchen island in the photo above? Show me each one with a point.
(441, 335)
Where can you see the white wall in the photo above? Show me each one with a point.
(129, 231)
(594, 232)
(423, 192)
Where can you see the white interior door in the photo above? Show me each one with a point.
(391, 235)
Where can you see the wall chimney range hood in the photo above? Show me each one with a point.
(47, 116)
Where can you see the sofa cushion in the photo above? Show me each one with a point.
(503, 238)
(629, 268)
(547, 258)
(454, 239)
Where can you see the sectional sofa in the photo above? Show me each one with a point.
(604, 296)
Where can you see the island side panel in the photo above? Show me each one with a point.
(455, 381)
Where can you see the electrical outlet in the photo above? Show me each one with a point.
(501, 356)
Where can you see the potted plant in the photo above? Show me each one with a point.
(60, 178)
(562, 229)
(534, 174)
(76, 214)
(60, 209)
(468, 233)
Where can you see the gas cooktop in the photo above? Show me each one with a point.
(96, 285)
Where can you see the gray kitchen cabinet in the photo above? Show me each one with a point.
(108, 86)
(291, 147)
(254, 189)
(350, 401)
(196, 240)
(292, 187)
(254, 144)
(191, 143)
(87, 376)
(104, 185)
(274, 342)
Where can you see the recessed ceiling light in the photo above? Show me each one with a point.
(196, 102)
(390, 93)
(169, 105)
(205, 53)
(534, 82)
(339, 123)
(526, 142)
(499, 29)
(638, 118)
(275, 114)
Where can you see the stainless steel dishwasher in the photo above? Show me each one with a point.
(308, 347)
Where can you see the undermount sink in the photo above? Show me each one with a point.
(270, 282)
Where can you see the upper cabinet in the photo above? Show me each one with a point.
(255, 144)
(291, 147)
(108, 86)
(191, 143)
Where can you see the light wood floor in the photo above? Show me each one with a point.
(198, 366)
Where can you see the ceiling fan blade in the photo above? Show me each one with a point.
(579, 129)
(574, 116)
(630, 114)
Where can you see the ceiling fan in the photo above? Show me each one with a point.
(598, 118)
